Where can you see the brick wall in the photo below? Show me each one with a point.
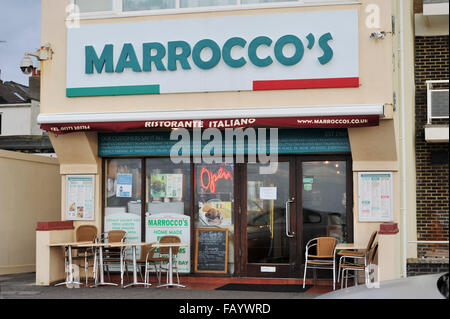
(431, 63)
(424, 267)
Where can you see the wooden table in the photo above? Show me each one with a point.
(68, 246)
(344, 246)
(100, 247)
(133, 247)
(170, 274)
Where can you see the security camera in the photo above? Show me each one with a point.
(26, 65)
(378, 35)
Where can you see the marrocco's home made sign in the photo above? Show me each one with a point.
(211, 250)
(315, 49)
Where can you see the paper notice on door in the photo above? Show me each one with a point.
(268, 193)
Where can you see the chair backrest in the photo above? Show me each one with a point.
(86, 233)
(147, 249)
(371, 240)
(325, 246)
(373, 252)
(116, 236)
(169, 240)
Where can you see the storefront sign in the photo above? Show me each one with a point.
(80, 193)
(315, 49)
(343, 121)
(160, 225)
(375, 197)
(290, 141)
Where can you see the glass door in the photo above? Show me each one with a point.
(269, 222)
(324, 199)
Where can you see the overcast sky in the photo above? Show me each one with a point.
(20, 27)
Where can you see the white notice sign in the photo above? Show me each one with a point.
(268, 193)
(375, 197)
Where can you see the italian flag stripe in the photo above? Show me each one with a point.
(113, 90)
(305, 84)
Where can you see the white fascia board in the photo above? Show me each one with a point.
(88, 117)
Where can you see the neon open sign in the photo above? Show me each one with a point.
(208, 178)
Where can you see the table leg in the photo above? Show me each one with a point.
(170, 283)
(70, 281)
(334, 269)
(102, 277)
(135, 282)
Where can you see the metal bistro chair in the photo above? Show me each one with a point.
(147, 259)
(165, 251)
(356, 254)
(112, 255)
(323, 259)
(355, 267)
(86, 233)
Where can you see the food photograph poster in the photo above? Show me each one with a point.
(80, 197)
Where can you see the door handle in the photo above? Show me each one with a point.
(288, 218)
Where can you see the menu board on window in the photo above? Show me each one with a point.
(80, 192)
(375, 197)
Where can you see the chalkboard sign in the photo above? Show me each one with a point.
(211, 250)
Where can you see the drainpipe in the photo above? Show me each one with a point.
(403, 138)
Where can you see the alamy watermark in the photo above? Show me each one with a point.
(227, 146)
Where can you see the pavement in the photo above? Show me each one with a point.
(22, 286)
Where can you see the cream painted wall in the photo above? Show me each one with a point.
(375, 70)
(30, 191)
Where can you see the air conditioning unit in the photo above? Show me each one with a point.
(437, 100)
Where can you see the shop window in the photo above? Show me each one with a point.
(168, 205)
(214, 201)
(324, 198)
(123, 208)
(205, 3)
(139, 5)
(94, 6)
(265, 1)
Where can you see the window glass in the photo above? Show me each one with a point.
(168, 205)
(94, 6)
(123, 197)
(264, 1)
(137, 5)
(324, 198)
(205, 3)
(214, 201)
(266, 214)
(168, 187)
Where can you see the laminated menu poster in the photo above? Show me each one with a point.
(159, 225)
(375, 197)
(166, 185)
(80, 197)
